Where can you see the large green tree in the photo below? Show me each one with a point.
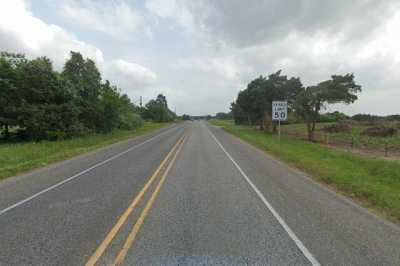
(313, 99)
(116, 110)
(40, 103)
(86, 79)
(10, 93)
(158, 111)
(9, 99)
(254, 104)
(47, 109)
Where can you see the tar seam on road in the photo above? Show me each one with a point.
(291, 234)
(121, 221)
(79, 174)
(135, 230)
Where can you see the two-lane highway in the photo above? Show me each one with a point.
(188, 195)
(63, 226)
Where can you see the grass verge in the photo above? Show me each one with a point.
(16, 158)
(374, 183)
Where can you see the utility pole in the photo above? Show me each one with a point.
(141, 103)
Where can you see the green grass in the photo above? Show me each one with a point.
(374, 183)
(17, 158)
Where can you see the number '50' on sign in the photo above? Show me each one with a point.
(279, 110)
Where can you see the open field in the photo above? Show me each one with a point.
(16, 158)
(353, 140)
(375, 183)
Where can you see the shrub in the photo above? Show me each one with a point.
(379, 131)
(130, 121)
(336, 128)
(332, 117)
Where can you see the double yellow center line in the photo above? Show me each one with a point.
(163, 170)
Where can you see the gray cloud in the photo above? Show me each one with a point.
(247, 23)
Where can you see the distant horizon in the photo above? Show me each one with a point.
(322, 113)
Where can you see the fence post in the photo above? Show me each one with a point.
(386, 147)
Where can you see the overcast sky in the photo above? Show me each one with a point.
(201, 53)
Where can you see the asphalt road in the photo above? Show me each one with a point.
(186, 195)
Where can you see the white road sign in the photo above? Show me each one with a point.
(279, 110)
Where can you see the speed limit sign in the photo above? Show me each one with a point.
(279, 110)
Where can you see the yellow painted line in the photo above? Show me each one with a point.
(121, 221)
(132, 235)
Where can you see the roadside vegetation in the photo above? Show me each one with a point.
(376, 136)
(17, 158)
(38, 103)
(253, 105)
(375, 183)
(47, 116)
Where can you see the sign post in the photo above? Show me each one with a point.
(279, 113)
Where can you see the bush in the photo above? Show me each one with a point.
(379, 131)
(78, 130)
(331, 117)
(337, 128)
(47, 105)
(366, 118)
(130, 121)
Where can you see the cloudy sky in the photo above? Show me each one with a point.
(201, 53)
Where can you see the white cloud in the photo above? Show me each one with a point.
(113, 18)
(129, 76)
(171, 9)
(20, 31)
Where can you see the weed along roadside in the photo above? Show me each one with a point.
(374, 183)
(18, 158)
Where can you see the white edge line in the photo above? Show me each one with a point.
(79, 174)
(291, 234)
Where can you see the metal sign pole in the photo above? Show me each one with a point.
(279, 112)
(279, 130)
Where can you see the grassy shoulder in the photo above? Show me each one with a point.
(374, 183)
(16, 158)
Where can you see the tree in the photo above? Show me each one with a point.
(8, 96)
(243, 110)
(10, 93)
(128, 118)
(223, 116)
(109, 108)
(116, 110)
(185, 117)
(47, 110)
(311, 100)
(44, 104)
(162, 100)
(86, 79)
(254, 104)
(157, 110)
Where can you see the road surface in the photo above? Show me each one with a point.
(190, 194)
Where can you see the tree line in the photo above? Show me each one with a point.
(253, 105)
(37, 102)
